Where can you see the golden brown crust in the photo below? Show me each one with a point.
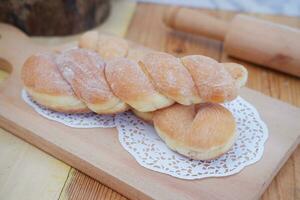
(40, 73)
(131, 85)
(149, 81)
(213, 81)
(217, 120)
(84, 71)
(146, 116)
(89, 40)
(59, 103)
(170, 77)
(136, 52)
(238, 72)
(204, 132)
(110, 47)
(45, 85)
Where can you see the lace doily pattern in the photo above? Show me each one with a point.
(142, 142)
(86, 120)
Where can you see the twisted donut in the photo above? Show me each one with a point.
(205, 131)
(84, 71)
(44, 84)
(131, 84)
(148, 82)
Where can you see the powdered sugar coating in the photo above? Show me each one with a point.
(238, 72)
(170, 77)
(213, 81)
(127, 79)
(136, 53)
(40, 73)
(110, 47)
(84, 70)
(130, 83)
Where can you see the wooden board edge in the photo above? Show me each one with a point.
(72, 160)
(280, 165)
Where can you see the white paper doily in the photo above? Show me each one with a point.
(86, 120)
(141, 141)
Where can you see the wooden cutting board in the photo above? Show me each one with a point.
(97, 152)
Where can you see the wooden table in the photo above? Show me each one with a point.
(148, 29)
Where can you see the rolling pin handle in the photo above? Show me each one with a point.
(192, 21)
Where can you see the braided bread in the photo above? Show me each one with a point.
(205, 131)
(146, 80)
(84, 71)
(46, 85)
(108, 75)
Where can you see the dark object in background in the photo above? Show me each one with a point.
(55, 17)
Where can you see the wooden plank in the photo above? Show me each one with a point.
(28, 173)
(81, 186)
(204, 181)
(63, 142)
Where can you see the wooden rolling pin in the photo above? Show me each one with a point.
(248, 38)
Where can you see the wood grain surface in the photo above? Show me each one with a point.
(147, 28)
(261, 46)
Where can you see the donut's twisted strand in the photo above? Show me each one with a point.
(159, 79)
(137, 77)
(129, 76)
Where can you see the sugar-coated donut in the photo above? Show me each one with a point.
(109, 75)
(129, 83)
(110, 47)
(238, 72)
(214, 82)
(200, 132)
(170, 77)
(136, 52)
(84, 71)
(45, 85)
(89, 40)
